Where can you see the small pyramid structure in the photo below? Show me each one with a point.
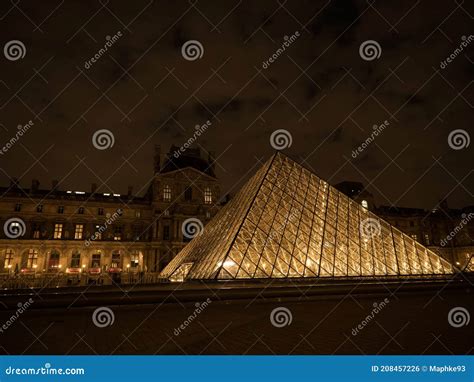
(285, 222)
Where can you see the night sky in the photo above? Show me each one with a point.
(319, 89)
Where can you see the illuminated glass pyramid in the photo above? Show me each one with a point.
(286, 222)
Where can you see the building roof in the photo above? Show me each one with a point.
(191, 157)
(286, 222)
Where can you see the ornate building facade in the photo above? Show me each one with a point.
(54, 231)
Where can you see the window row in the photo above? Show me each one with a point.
(60, 210)
(188, 194)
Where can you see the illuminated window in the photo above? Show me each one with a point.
(365, 204)
(188, 194)
(207, 195)
(58, 231)
(36, 228)
(118, 233)
(414, 237)
(32, 258)
(95, 262)
(53, 261)
(115, 260)
(76, 260)
(8, 258)
(167, 213)
(134, 260)
(98, 233)
(166, 193)
(427, 239)
(78, 231)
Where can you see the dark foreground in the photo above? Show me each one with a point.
(413, 321)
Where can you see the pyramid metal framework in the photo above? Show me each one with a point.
(285, 222)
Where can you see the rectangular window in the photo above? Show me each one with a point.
(39, 208)
(78, 231)
(8, 258)
(32, 258)
(115, 260)
(167, 193)
(414, 237)
(95, 263)
(118, 233)
(207, 195)
(60, 209)
(427, 239)
(98, 232)
(80, 210)
(58, 231)
(166, 232)
(18, 207)
(76, 260)
(137, 232)
(134, 260)
(188, 194)
(100, 211)
(138, 214)
(36, 228)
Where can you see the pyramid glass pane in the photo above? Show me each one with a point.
(286, 222)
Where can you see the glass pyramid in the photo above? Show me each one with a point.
(286, 222)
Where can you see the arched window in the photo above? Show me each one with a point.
(167, 193)
(53, 264)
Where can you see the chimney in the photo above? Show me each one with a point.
(130, 191)
(34, 185)
(157, 159)
(54, 185)
(93, 188)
